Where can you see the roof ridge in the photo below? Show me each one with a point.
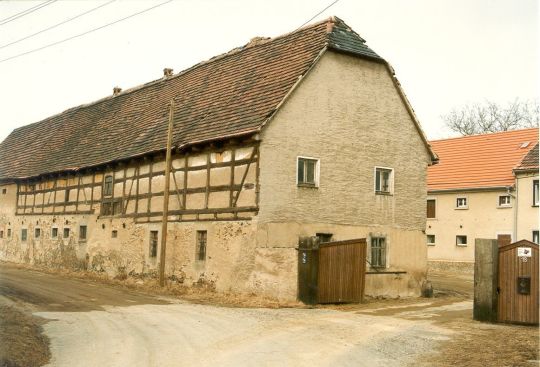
(484, 134)
(150, 83)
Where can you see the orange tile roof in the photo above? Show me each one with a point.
(479, 161)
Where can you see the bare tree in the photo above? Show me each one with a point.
(491, 117)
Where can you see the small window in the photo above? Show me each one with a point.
(430, 239)
(324, 237)
(111, 207)
(66, 232)
(535, 237)
(383, 180)
(535, 193)
(66, 197)
(82, 233)
(114, 233)
(504, 200)
(9, 232)
(24, 234)
(308, 172)
(108, 186)
(378, 252)
(1, 234)
(461, 203)
(54, 232)
(32, 187)
(431, 208)
(4, 191)
(37, 233)
(153, 243)
(461, 240)
(201, 245)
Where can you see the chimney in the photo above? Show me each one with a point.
(116, 91)
(167, 72)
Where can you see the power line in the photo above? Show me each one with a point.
(56, 25)
(316, 15)
(26, 12)
(85, 33)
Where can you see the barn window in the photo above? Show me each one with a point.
(54, 232)
(535, 193)
(430, 239)
(4, 191)
(111, 207)
(37, 232)
(378, 252)
(504, 200)
(535, 237)
(9, 232)
(82, 233)
(66, 232)
(307, 172)
(153, 243)
(461, 240)
(114, 233)
(24, 234)
(431, 208)
(324, 237)
(201, 245)
(461, 203)
(108, 186)
(383, 180)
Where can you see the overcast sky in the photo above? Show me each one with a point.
(446, 53)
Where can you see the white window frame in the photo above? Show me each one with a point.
(462, 244)
(434, 240)
(462, 207)
(537, 236)
(509, 205)
(317, 171)
(536, 195)
(386, 251)
(390, 183)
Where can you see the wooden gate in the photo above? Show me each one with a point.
(518, 283)
(331, 272)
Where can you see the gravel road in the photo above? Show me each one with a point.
(92, 324)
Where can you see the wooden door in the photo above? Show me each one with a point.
(342, 271)
(518, 283)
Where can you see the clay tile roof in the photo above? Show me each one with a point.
(530, 161)
(229, 95)
(480, 161)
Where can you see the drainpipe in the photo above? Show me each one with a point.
(515, 196)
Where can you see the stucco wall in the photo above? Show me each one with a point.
(527, 213)
(483, 219)
(347, 113)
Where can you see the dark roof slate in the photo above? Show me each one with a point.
(228, 95)
(530, 161)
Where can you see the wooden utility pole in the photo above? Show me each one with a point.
(166, 198)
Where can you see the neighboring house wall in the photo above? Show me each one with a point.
(483, 218)
(348, 114)
(527, 211)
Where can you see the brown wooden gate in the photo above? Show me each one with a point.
(518, 283)
(331, 272)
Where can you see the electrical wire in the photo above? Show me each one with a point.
(316, 15)
(56, 25)
(85, 33)
(26, 12)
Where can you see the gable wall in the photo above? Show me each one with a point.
(347, 113)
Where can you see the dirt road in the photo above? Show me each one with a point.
(92, 324)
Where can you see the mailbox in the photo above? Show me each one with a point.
(524, 285)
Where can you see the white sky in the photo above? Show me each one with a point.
(446, 53)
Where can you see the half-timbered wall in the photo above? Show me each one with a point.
(210, 185)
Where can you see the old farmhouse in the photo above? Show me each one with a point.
(485, 186)
(306, 134)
